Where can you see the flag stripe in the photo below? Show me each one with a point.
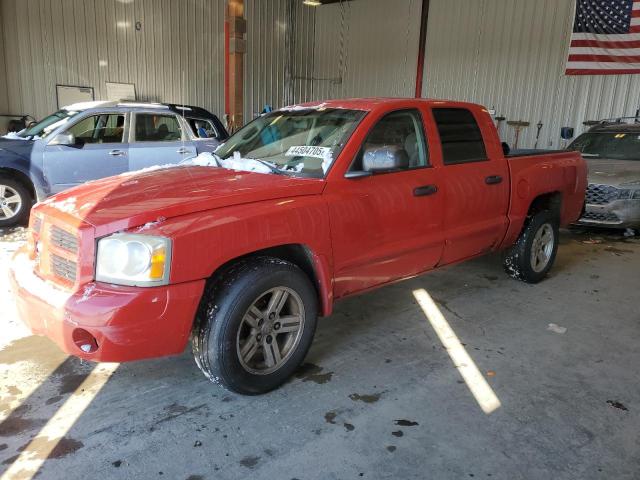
(604, 65)
(594, 71)
(605, 58)
(622, 52)
(605, 44)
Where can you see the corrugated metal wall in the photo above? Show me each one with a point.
(279, 58)
(177, 55)
(366, 48)
(510, 55)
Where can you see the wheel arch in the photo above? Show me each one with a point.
(301, 255)
(546, 201)
(22, 178)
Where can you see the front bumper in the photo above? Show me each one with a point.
(616, 214)
(127, 323)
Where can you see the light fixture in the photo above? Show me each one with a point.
(312, 3)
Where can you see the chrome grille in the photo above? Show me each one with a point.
(63, 268)
(606, 217)
(63, 239)
(601, 194)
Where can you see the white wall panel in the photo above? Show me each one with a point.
(366, 48)
(279, 58)
(177, 56)
(510, 55)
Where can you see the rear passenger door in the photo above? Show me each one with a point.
(476, 186)
(158, 139)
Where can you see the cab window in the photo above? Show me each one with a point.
(460, 136)
(151, 127)
(101, 128)
(401, 130)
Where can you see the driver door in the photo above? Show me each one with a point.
(99, 151)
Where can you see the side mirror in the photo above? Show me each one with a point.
(384, 159)
(506, 149)
(67, 139)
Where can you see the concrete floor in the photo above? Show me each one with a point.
(379, 397)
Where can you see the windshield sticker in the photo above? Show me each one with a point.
(308, 151)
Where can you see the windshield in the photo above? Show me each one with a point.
(45, 126)
(301, 141)
(618, 146)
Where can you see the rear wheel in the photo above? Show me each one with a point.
(532, 256)
(15, 202)
(255, 325)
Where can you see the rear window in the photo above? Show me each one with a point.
(157, 128)
(460, 136)
(202, 128)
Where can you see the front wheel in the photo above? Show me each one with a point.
(15, 202)
(255, 325)
(533, 254)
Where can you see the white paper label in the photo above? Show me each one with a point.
(308, 151)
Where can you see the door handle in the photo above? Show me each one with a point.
(183, 151)
(493, 180)
(117, 153)
(424, 190)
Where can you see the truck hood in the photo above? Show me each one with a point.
(130, 200)
(617, 173)
(19, 148)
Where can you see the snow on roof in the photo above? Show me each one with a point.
(86, 105)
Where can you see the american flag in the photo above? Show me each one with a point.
(605, 38)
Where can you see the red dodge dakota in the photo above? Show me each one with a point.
(243, 249)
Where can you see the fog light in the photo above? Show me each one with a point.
(84, 340)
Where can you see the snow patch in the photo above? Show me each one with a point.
(23, 270)
(149, 225)
(67, 205)
(297, 108)
(207, 159)
(16, 136)
(86, 294)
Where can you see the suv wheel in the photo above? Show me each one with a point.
(255, 326)
(532, 256)
(15, 202)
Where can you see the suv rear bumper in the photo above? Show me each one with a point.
(118, 323)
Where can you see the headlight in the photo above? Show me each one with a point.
(138, 260)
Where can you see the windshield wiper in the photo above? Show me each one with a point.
(271, 166)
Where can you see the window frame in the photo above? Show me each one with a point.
(437, 130)
(80, 118)
(425, 139)
(165, 113)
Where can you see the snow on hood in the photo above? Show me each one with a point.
(237, 163)
(614, 172)
(16, 136)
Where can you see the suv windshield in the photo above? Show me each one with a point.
(45, 126)
(300, 141)
(618, 146)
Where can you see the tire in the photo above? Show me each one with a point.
(518, 261)
(12, 213)
(233, 322)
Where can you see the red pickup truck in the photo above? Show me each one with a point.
(244, 249)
